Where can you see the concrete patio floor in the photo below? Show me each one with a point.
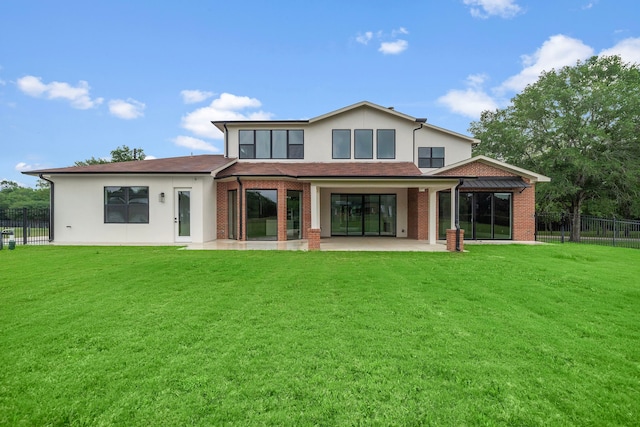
(380, 244)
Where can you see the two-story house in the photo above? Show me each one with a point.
(363, 170)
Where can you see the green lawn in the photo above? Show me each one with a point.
(501, 335)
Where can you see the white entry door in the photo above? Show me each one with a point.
(182, 215)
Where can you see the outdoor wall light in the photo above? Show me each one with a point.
(161, 197)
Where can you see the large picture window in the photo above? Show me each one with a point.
(430, 157)
(486, 216)
(126, 205)
(271, 144)
(262, 214)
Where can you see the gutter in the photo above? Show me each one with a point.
(51, 206)
(457, 216)
(422, 122)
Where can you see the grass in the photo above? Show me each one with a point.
(501, 335)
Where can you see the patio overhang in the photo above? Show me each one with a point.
(495, 182)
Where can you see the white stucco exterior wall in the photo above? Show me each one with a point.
(79, 209)
(318, 137)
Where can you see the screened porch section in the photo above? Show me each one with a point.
(483, 215)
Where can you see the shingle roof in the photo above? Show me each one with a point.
(172, 165)
(328, 170)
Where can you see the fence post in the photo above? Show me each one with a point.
(24, 226)
(614, 230)
(562, 220)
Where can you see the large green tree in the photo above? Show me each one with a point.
(13, 196)
(120, 154)
(580, 125)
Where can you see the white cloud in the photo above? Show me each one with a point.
(627, 49)
(486, 8)
(390, 44)
(364, 38)
(78, 96)
(129, 109)
(471, 101)
(24, 167)
(557, 52)
(194, 96)
(226, 107)
(400, 30)
(393, 48)
(194, 144)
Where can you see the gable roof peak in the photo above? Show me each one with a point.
(362, 104)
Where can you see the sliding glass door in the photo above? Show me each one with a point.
(363, 214)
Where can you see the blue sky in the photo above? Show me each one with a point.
(80, 78)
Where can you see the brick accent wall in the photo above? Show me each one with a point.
(222, 218)
(418, 214)
(524, 202)
(282, 186)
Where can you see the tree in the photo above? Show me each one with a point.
(120, 154)
(13, 196)
(580, 126)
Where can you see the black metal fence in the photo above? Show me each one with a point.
(556, 227)
(25, 226)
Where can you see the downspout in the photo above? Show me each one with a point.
(51, 205)
(240, 195)
(226, 140)
(457, 213)
(422, 122)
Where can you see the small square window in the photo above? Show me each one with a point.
(430, 157)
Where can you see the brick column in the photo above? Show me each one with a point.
(313, 237)
(451, 240)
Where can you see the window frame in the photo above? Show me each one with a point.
(378, 133)
(333, 143)
(290, 147)
(369, 142)
(430, 159)
(127, 204)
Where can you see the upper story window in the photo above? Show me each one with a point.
(386, 144)
(126, 205)
(363, 143)
(430, 157)
(341, 144)
(271, 144)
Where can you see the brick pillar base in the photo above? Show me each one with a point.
(313, 237)
(451, 240)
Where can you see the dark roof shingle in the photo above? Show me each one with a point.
(176, 165)
(317, 169)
